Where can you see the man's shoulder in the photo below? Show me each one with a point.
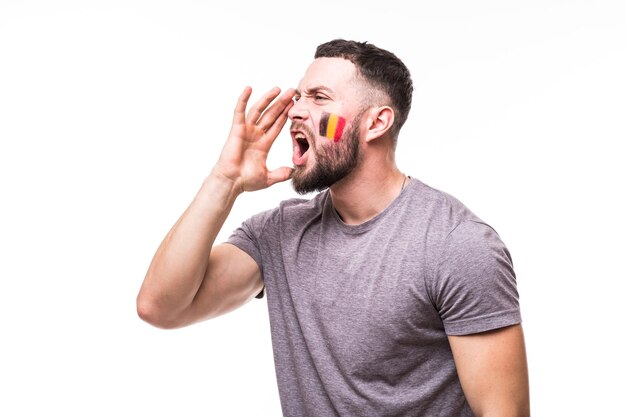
(295, 205)
(439, 208)
(289, 210)
(429, 193)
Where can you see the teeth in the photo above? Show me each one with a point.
(300, 136)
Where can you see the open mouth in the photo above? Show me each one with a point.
(302, 143)
(301, 146)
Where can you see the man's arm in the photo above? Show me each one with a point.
(190, 280)
(493, 372)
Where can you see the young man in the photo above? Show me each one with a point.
(386, 297)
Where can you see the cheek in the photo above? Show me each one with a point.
(332, 126)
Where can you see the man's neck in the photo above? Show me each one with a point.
(365, 193)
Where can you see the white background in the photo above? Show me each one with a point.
(112, 113)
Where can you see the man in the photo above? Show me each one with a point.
(386, 297)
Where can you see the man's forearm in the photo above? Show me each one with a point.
(180, 263)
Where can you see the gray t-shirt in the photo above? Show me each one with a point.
(360, 314)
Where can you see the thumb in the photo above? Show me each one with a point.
(279, 175)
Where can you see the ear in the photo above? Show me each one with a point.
(379, 121)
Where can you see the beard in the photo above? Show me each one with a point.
(332, 163)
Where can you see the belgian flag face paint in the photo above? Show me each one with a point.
(331, 126)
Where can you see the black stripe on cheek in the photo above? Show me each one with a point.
(324, 123)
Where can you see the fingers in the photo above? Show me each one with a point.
(277, 126)
(258, 107)
(270, 116)
(240, 108)
(278, 175)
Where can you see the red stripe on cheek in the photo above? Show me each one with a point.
(341, 123)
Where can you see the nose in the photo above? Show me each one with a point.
(298, 111)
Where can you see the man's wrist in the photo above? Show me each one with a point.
(222, 185)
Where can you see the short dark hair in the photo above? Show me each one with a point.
(380, 68)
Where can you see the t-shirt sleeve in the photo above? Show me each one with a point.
(247, 237)
(475, 288)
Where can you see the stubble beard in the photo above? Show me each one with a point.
(332, 163)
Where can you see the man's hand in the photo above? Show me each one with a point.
(244, 156)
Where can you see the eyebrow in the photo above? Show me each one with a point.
(313, 90)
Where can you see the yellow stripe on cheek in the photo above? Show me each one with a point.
(332, 125)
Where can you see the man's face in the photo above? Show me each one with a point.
(325, 125)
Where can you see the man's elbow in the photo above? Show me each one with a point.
(148, 310)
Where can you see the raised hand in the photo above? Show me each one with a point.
(244, 156)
